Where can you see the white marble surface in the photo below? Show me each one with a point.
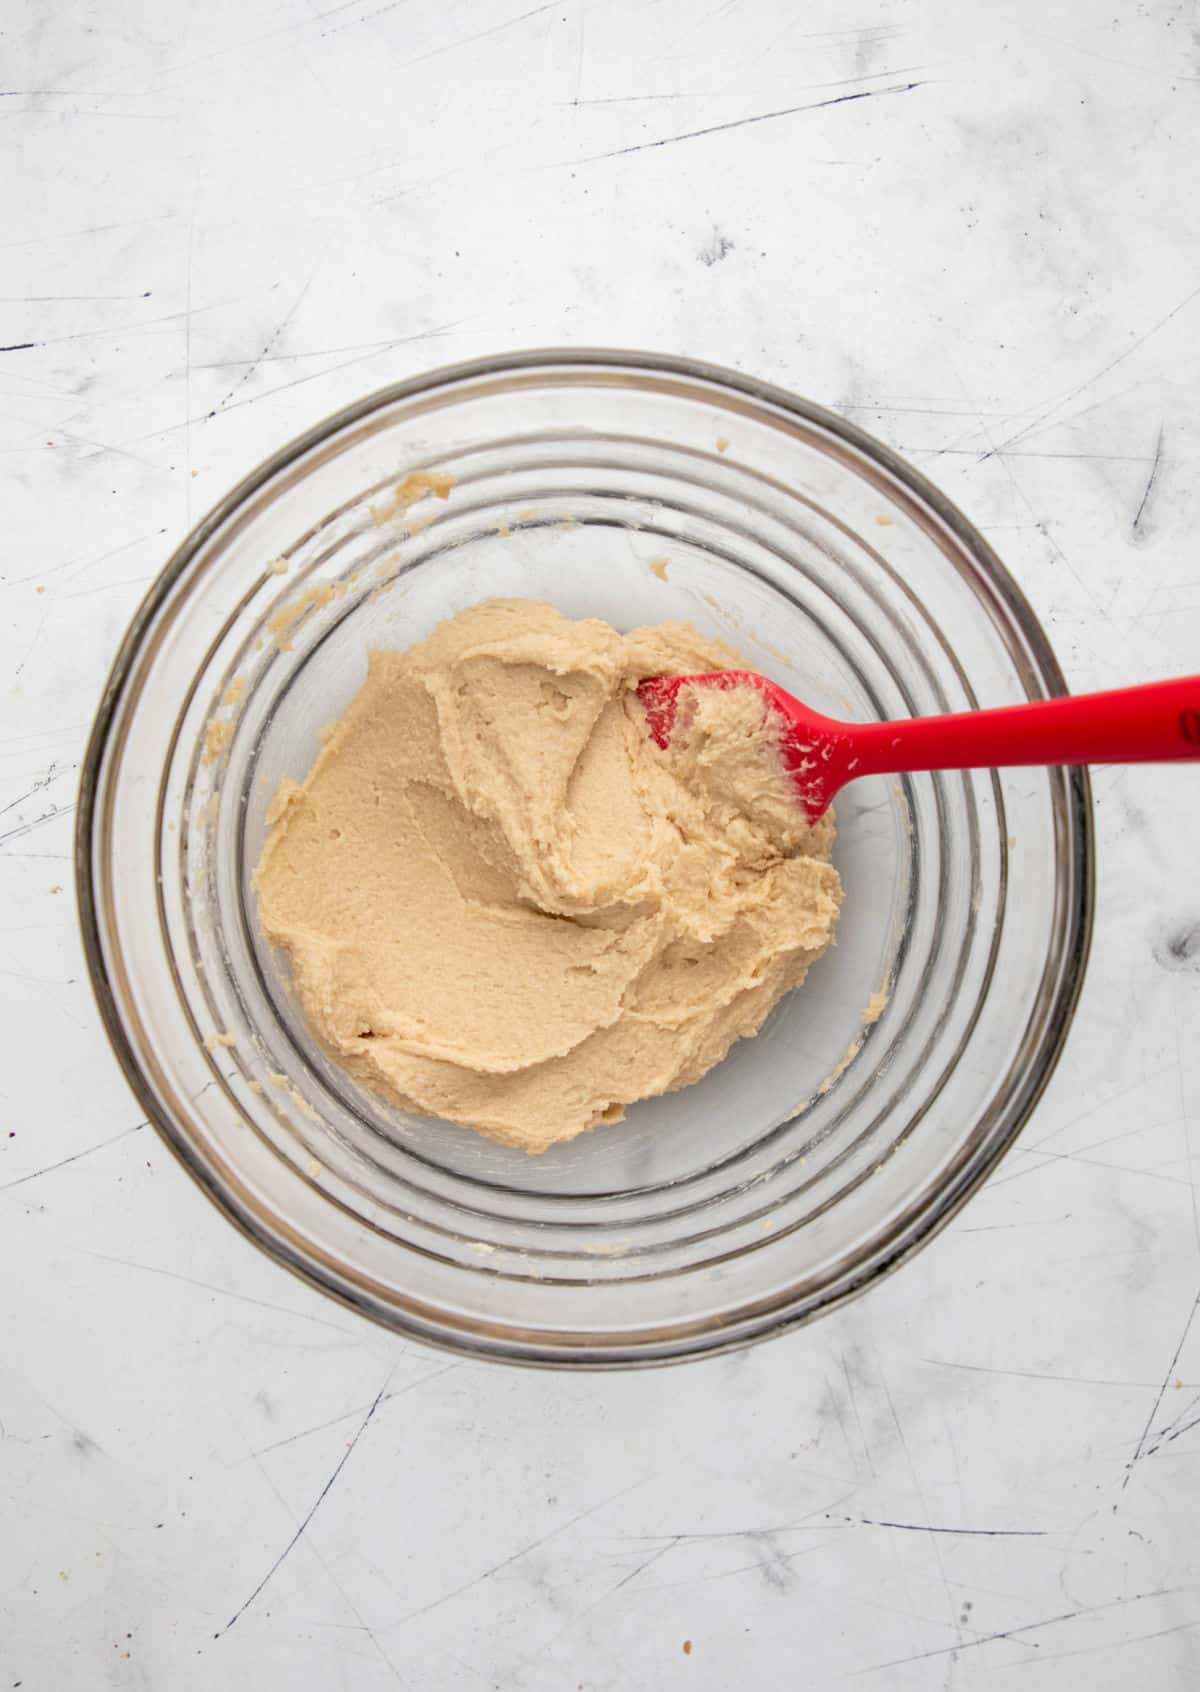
(973, 229)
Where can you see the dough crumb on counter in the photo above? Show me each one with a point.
(504, 905)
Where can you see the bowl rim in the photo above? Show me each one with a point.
(313, 1269)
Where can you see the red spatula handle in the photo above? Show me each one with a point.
(1153, 723)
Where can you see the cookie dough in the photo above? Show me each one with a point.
(505, 905)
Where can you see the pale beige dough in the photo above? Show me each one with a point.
(504, 905)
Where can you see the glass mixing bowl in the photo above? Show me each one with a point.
(635, 488)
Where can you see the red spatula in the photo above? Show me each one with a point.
(1153, 723)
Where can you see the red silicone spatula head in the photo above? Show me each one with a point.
(1151, 723)
(813, 748)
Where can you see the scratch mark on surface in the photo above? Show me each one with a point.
(212, 1287)
(317, 1502)
(55, 299)
(1153, 477)
(298, 381)
(955, 1618)
(858, 1419)
(111, 331)
(359, 1618)
(534, 1544)
(52, 775)
(49, 1168)
(632, 99)
(800, 1525)
(234, 47)
(1005, 1227)
(1026, 1627)
(779, 1560)
(1074, 393)
(1031, 452)
(81, 1443)
(1125, 63)
(37, 635)
(1179, 1425)
(111, 587)
(481, 35)
(367, 17)
(272, 339)
(581, 17)
(1117, 1644)
(346, 1415)
(310, 352)
(1032, 1374)
(928, 1527)
(90, 229)
(100, 448)
(640, 1568)
(78, 566)
(1140, 1447)
(1097, 1105)
(833, 1401)
(741, 123)
(38, 822)
(1042, 526)
(1050, 1157)
(625, 1579)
